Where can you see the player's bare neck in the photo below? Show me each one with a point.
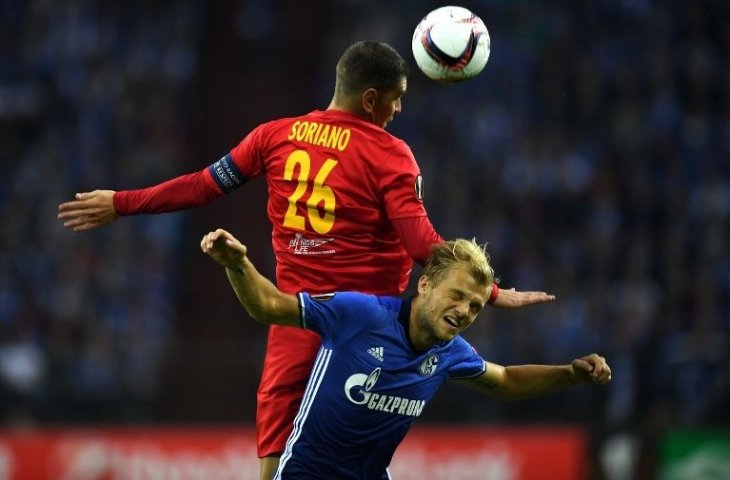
(349, 107)
(418, 338)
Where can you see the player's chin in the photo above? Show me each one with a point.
(446, 338)
(448, 332)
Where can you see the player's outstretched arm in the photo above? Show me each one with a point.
(89, 210)
(418, 235)
(100, 207)
(261, 299)
(526, 381)
(511, 298)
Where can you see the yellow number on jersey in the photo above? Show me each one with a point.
(321, 193)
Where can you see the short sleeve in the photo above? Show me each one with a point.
(337, 317)
(466, 362)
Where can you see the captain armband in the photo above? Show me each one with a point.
(226, 174)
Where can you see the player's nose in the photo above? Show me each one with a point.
(462, 309)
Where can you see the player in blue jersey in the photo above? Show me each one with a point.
(383, 358)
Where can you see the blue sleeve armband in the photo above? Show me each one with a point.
(226, 174)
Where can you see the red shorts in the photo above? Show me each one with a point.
(290, 354)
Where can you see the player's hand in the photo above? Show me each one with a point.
(224, 248)
(591, 369)
(511, 298)
(89, 210)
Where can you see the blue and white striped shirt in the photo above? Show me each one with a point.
(367, 386)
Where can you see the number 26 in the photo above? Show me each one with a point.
(321, 194)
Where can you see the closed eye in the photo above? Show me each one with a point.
(456, 295)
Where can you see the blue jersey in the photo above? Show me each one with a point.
(367, 386)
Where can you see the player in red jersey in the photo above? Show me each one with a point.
(345, 204)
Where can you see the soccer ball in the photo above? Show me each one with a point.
(451, 44)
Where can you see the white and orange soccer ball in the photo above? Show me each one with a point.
(451, 44)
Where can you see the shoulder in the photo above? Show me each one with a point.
(463, 360)
(391, 155)
(461, 344)
(347, 300)
(343, 314)
(400, 156)
(352, 303)
(397, 146)
(272, 133)
(459, 348)
(352, 299)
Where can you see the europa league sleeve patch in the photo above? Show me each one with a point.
(419, 187)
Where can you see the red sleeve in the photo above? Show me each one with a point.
(417, 235)
(180, 193)
(495, 293)
(400, 183)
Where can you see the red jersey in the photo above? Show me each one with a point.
(335, 183)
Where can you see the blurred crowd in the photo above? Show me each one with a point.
(593, 154)
(91, 95)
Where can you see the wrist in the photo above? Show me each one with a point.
(572, 376)
(119, 204)
(237, 269)
(494, 294)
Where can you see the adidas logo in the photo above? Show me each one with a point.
(376, 352)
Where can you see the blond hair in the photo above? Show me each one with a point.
(468, 253)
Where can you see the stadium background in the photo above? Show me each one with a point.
(593, 154)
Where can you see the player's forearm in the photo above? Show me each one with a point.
(528, 381)
(180, 193)
(260, 297)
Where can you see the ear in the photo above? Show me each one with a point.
(424, 284)
(369, 99)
